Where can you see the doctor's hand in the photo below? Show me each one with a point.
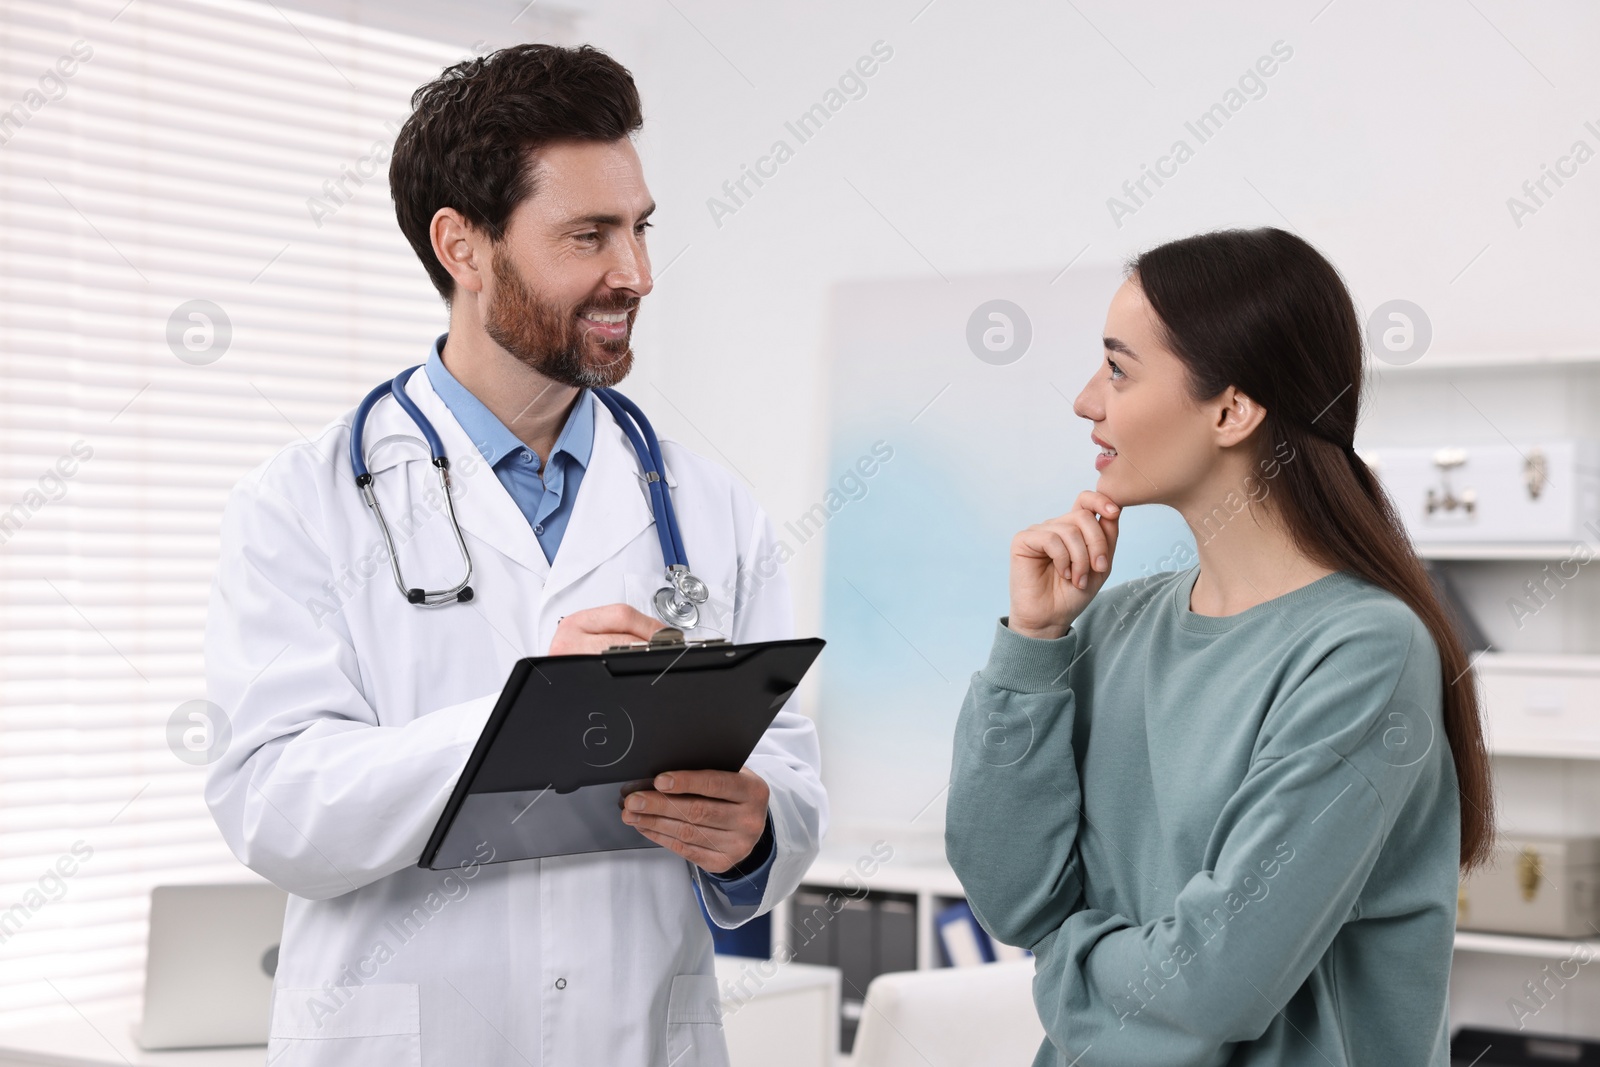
(713, 819)
(1058, 566)
(597, 629)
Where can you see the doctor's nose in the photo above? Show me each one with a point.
(630, 269)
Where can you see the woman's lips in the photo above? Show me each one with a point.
(1107, 454)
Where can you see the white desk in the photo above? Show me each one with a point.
(106, 1040)
(778, 1016)
(773, 1016)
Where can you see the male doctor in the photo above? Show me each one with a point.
(353, 711)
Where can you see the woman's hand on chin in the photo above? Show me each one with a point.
(1059, 565)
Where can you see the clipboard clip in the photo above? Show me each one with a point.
(667, 638)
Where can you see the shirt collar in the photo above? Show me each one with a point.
(494, 439)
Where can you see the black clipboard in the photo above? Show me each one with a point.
(572, 736)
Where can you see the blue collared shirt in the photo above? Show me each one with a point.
(547, 503)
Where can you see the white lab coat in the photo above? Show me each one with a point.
(353, 712)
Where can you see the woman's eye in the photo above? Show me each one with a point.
(1116, 371)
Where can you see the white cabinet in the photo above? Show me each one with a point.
(1523, 563)
(1541, 705)
(1531, 492)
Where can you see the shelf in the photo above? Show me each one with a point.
(1446, 362)
(894, 876)
(1491, 553)
(1541, 749)
(1583, 664)
(935, 881)
(1544, 948)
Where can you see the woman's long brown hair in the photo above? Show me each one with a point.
(1263, 311)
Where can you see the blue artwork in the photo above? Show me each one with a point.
(951, 429)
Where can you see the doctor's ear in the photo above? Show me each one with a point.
(463, 250)
(1236, 416)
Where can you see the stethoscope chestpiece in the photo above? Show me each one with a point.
(678, 602)
(676, 610)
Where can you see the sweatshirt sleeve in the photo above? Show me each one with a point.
(1341, 754)
(1013, 753)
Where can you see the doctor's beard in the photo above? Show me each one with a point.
(552, 340)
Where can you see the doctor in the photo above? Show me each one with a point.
(353, 711)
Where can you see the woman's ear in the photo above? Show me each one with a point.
(1235, 417)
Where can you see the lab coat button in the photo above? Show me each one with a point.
(538, 529)
(561, 983)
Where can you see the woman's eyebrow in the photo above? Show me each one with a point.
(1114, 345)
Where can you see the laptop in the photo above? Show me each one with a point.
(208, 973)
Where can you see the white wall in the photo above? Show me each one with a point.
(1392, 139)
(993, 138)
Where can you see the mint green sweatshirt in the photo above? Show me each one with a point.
(1226, 840)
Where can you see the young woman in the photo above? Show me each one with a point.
(1226, 807)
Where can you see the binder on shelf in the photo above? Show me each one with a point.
(897, 936)
(853, 944)
(811, 928)
(864, 936)
(965, 943)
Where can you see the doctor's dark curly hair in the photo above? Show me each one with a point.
(474, 130)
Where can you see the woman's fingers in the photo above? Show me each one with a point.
(1079, 547)
(1046, 543)
(1102, 532)
(1068, 529)
(1099, 503)
(1099, 546)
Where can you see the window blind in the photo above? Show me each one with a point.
(198, 264)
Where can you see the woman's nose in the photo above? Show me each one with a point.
(1087, 405)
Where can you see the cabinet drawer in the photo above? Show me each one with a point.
(1545, 705)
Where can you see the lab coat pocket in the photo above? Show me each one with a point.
(372, 1026)
(694, 1023)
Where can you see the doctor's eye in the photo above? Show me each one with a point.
(643, 226)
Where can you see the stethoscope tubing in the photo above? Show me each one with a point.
(648, 448)
(641, 435)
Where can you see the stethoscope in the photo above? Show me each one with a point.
(677, 604)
